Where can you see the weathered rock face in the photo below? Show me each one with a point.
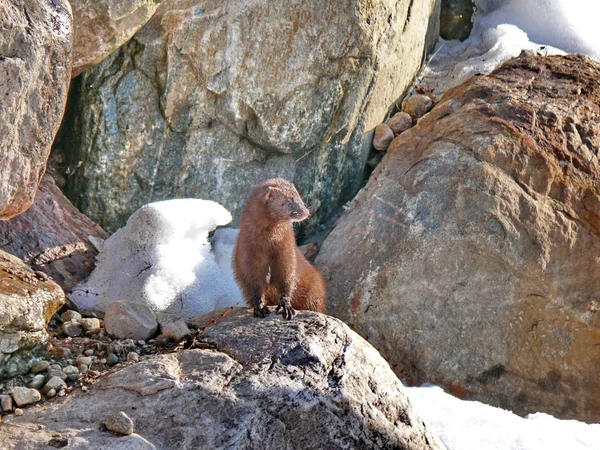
(27, 303)
(470, 259)
(35, 66)
(53, 236)
(310, 383)
(101, 27)
(232, 93)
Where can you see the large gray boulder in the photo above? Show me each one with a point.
(470, 259)
(102, 26)
(35, 68)
(209, 98)
(28, 300)
(310, 383)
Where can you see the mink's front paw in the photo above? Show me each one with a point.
(285, 308)
(262, 312)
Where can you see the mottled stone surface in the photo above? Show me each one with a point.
(309, 383)
(27, 303)
(470, 259)
(101, 26)
(53, 236)
(234, 92)
(35, 66)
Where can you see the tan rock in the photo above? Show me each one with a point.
(470, 259)
(417, 106)
(101, 26)
(35, 55)
(400, 122)
(382, 137)
(27, 303)
(129, 320)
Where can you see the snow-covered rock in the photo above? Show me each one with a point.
(163, 259)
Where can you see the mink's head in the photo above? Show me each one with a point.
(283, 201)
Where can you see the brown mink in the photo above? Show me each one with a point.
(268, 265)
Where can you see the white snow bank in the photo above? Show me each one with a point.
(570, 25)
(503, 28)
(162, 258)
(469, 425)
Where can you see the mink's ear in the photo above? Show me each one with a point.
(268, 192)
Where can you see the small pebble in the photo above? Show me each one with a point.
(55, 383)
(88, 352)
(112, 359)
(51, 393)
(61, 352)
(382, 137)
(417, 106)
(38, 381)
(69, 315)
(19, 412)
(90, 324)
(84, 389)
(40, 366)
(119, 423)
(72, 328)
(177, 331)
(72, 373)
(93, 373)
(85, 360)
(83, 368)
(133, 357)
(56, 371)
(25, 396)
(141, 342)
(6, 402)
(400, 122)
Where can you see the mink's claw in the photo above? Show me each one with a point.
(262, 312)
(286, 310)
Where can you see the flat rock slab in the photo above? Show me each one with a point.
(309, 383)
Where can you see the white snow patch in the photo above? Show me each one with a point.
(503, 28)
(162, 258)
(470, 425)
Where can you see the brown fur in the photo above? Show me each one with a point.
(268, 265)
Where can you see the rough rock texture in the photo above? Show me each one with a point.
(35, 58)
(309, 383)
(234, 92)
(53, 236)
(101, 27)
(470, 259)
(27, 303)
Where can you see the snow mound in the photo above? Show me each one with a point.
(502, 29)
(470, 425)
(162, 258)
